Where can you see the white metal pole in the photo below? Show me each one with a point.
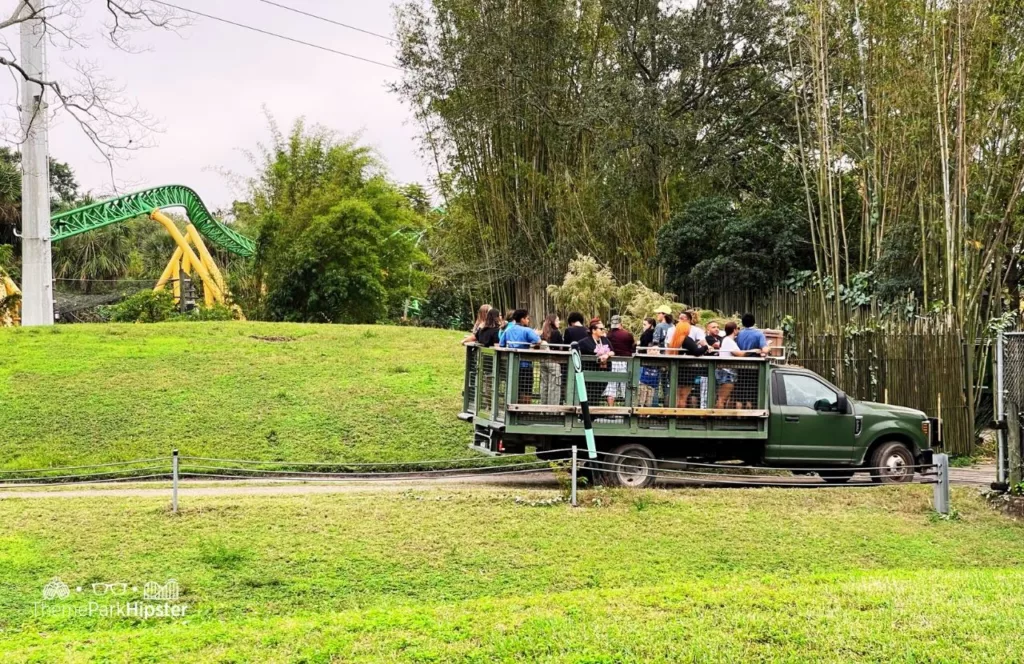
(941, 493)
(37, 264)
(1000, 413)
(572, 491)
(174, 482)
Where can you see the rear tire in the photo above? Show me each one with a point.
(636, 472)
(892, 463)
(835, 476)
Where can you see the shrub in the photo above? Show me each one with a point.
(146, 306)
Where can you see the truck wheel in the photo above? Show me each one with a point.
(835, 476)
(638, 471)
(892, 463)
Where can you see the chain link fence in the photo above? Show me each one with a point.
(1009, 404)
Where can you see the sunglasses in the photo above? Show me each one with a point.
(599, 328)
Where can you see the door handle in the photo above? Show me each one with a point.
(792, 418)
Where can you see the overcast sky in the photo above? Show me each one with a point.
(206, 86)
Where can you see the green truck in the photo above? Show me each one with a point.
(655, 408)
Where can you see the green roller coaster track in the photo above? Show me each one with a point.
(90, 217)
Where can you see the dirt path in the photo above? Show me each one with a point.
(973, 476)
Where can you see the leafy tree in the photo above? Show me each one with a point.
(337, 242)
(713, 246)
(588, 287)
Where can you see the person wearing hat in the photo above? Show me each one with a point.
(623, 344)
(665, 323)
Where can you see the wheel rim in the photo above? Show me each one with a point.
(895, 465)
(633, 472)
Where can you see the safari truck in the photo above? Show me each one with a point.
(653, 408)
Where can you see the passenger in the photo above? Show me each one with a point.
(726, 378)
(752, 343)
(752, 339)
(550, 367)
(623, 345)
(665, 324)
(519, 335)
(647, 335)
(689, 375)
(713, 338)
(696, 331)
(481, 320)
(650, 376)
(487, 336)
(596, 344)
(509, 322)
(577, 330)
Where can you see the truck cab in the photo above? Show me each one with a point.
(655, 408)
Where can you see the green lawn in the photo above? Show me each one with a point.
(93, 393)
(473, 576)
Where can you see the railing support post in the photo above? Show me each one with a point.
(941, 495)
(572, 490)
(174, 482)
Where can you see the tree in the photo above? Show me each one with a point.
(112, 122)
(337, 242)
(713, 246)
(588, 287)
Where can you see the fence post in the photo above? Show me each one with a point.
(572, 491)
(174, 482)
(1000, 413)
(941, 495)
(1012, 466)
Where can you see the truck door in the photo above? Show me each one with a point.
(806, 424)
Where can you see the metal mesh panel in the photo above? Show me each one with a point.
(472, 357)
(737, 385)
(502, 380)
(487, 384)
(653, 386)
(692, 386)
(542, 380)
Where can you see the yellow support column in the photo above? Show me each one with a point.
(206, 257)
(169, 271)
(188, 254)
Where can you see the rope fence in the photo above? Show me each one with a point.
(645, 470)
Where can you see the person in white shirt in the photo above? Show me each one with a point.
(726, 378)
(696, 331)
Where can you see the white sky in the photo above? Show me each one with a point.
(206, 86)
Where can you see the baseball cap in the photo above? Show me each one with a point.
(663, 309)
(615, 321)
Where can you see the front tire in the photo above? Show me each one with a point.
(892, 463)
(637, 471)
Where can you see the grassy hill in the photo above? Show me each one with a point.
(94, 393)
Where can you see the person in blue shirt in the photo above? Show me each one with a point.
(519, 335)
(751, 338)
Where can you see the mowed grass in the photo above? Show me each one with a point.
(473, 576)
(84, 394)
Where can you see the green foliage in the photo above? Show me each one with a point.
(588, 287)
(146, 306)
(218, 312)
(337, 241)
(636, 302)
(446, 307)
(713, 246)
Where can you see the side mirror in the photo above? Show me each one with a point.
(823, 405)
(842, 404)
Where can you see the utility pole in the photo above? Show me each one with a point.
(37, 264)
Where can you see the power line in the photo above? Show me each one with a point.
(328, 20)
(279, 36)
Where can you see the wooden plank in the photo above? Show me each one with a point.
(538, 408)
(700, 412)
(610, 410)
